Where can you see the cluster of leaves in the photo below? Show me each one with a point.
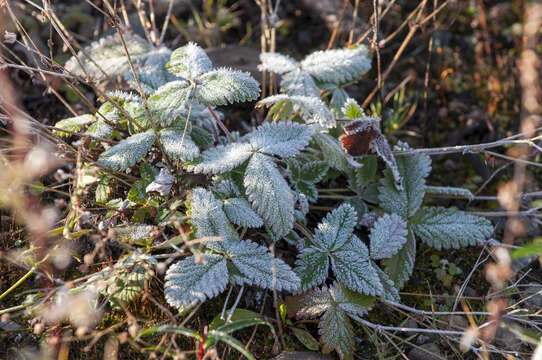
(259, 187)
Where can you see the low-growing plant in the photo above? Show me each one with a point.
(259, 187)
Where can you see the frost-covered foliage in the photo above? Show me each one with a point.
(246, 209)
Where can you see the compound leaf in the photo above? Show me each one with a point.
(189, 282)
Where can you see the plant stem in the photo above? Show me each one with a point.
(221, 125)
(19, 282)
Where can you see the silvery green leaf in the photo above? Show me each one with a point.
(270, 194)
(361, 177)
(240, 213)
(221, 158)
(127, 152)
(189, 61)
(172, 138)
(226, 86)
(312, 267)
(170, 101)
(303, 202)
(299, 83)
(108, 55)
(337, 66)
(189, 282)
(337, 333)
(110, 112)
(351, 302)
(134, 233)
(352, 110)
(449, 192)
(284, 139)
(256, 263)
(413, 169)
(277, 63)
(444, 228)
(332, 151)
(207, 215)
(391, 292)
(100, 129)
(351, 267)
(336, 229)
(311, 108)
(399, 267)
(73, 124)
(388, 235)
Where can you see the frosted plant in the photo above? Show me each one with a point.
(266, 189)
(353, 264)
(305, 174)
(240, 262)
(330, 68)
(107, 58)
(441, 228)
(334, 306)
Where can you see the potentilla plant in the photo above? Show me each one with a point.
(260, 185)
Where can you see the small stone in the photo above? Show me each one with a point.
(430, 351)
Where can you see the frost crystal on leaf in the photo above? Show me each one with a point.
(312, 109)
(312, 267)
(337, 66)
(207, 215)
(171, 139)
(388, 235)
(240, 213)
(223, 86)
(133, 233)
(282, 139)
(444, 228)
(222, 158)
(299, 83)
(73, 124)
(170, 101)
(189, 282)
(100, 129)
(189, 61)
(108, 55)
(128, 152)
(399, 267)
(255, 262)
(413, 169)
(270, 194)
(333, 232)
(337, 332)
(277, 63)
